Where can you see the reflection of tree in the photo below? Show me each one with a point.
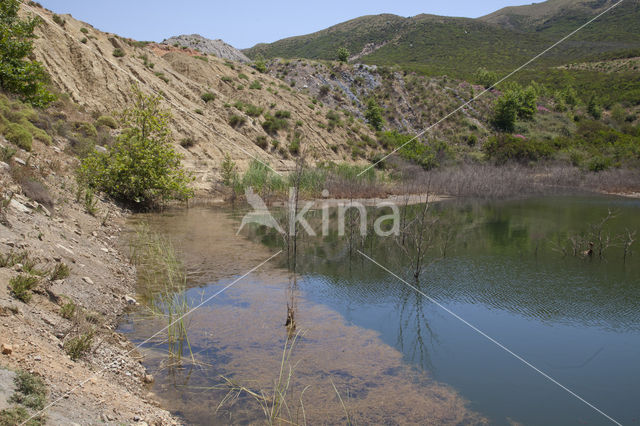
(411, 307)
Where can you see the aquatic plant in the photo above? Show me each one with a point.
(164, 279)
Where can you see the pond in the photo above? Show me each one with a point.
(369, 349)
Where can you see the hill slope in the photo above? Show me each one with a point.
(213, 47)
(459, 46)
(82, 65)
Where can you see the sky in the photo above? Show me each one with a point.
(244, 24)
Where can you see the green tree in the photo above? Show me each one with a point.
(528, 103)
(486, 78)
(505, 111)
(141, 169)
(374, 114)
(18, 74)
(343, 54)
(514, 103)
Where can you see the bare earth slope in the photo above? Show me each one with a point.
(93, 77)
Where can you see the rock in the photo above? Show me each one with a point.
(37, 358)
(106, 250)
(101, 149)
(6, 349)
(148, 378)
(130, 300)
(60, 246)
(20, 161)
(19, 206)
(87, 280)
(4, 166)
(215, 47)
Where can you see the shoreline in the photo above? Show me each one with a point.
(108, 382)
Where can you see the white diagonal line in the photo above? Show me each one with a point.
(489, 88)
(189, 312)
(175, 105)
(491, 339)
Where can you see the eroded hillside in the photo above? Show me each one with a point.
(96, 70)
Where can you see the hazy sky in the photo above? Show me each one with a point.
(245, 23)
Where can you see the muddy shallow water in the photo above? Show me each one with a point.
(394, 357)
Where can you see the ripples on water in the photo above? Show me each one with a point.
(383, 345)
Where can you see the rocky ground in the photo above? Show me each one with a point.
(36, 336)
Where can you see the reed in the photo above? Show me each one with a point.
(164, 282)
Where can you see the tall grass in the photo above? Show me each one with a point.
(163, 279)
(339, 179)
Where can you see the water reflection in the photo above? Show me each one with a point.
(382, 344)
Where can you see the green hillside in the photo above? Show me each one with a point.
(458, 46)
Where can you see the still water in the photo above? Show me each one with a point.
(373, 351)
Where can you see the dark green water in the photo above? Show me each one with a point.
(575, 318)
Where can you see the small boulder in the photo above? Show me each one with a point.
(87, 280)
(148, 378)
(130, 300)
(6, 349)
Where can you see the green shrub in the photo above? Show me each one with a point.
(19, 136)
(85, 129)
(84, 40)
(373, 114)
(599, 164)
(108, 121)
(161, 76)
(30, 392)
(208, 97)
(486, 78)
(343, 54)
(252, 110)
(187, 142)
(261, 141)
(243, 76)
(22, 285)
(272, 125)
(6, 153)
(59, 20)
(294, 147)
(77, 346)
(260, 65)
(255, 85)
(84, 30)
(236, 120)
(68, 310)
(504, 148)
(283, 114)
(118, 53)
(226, 79)
(141, 169)
(60, 272)
(228, 172)
(19, 74)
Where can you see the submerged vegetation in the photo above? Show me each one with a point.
(162, 276)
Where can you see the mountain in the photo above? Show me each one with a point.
(212, 47)
(458, 46)
(535, 14)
